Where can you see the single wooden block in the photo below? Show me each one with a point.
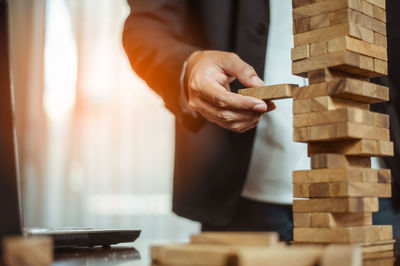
(325, 103)
(302, 256)
(193, 255)
(335, 160)
(367, 8)
(341, 255)
(380, 66)
(326, 75)
(378, 255)
(332, 32)
(345, 114)
(326, 219)
(300, 52)
(378, 3)
(356, 234)
(379, 14)
(345, 61)
(315, 9)
(363, 147)
(342, 189)
(28, 251)
(342, 175)
(358, 46)
(339, 131)
(302, 219)
(357, 90)
(273, 92)
(237, 238)
(379, 40)
(366, 25)
(378, 247)
(337, 205)
(319, 48)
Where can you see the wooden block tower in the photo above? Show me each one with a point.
(338, 46)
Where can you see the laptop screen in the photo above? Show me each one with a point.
(10, 220)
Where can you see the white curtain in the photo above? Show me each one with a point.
(96, 144)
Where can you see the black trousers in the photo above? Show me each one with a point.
(254, 216)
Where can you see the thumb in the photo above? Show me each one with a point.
(236, 67)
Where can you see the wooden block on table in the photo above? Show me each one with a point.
(334, 205)
(193, 255)
(237, 238)
(357, 90)
(342, 189)
(303, 256)
(334, 160)
(326, 219)
(325, 103)
(363, 147)
(341, 255)
(28, 251)
(345, 114)
(345, 61)
(350, 174)
(273, 92)
(356, 234)
(340, 131)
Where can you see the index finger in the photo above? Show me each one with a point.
(217, 95)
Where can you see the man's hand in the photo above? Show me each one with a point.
(208, 75)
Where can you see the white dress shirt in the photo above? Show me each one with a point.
(274, 154)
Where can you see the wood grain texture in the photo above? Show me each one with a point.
(357, 234)
(345, 61)
(337, 205)
(237, 238)
(362, 147)
(300, 52)
(325, 103)
(318, 8)
(349, 174)
(339, 131)
(21, 251)
(273, 92)
(326, 219)
(342, 189)
(345, 114)
(364, 22)
(334, 160)
(357, 46)
(357, 90)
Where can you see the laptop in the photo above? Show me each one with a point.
(11, 222)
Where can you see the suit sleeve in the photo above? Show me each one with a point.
(154, 42)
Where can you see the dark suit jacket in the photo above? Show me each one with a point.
(211, 163)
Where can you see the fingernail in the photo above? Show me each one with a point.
(260, 107)
(257, 81)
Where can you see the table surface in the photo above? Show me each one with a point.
(135, 254)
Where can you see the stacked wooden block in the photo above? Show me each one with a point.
(339, 44)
